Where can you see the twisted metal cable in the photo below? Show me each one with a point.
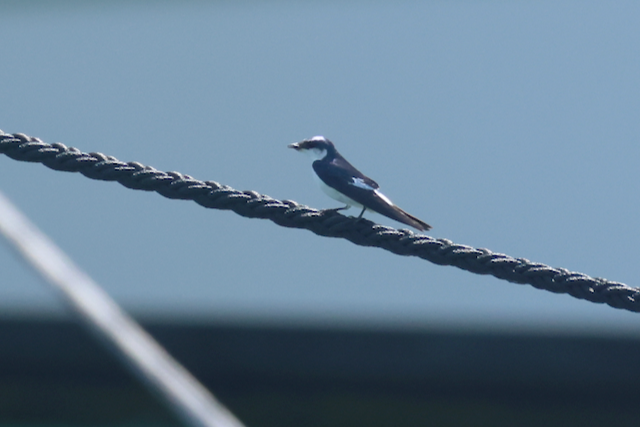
(287, 213)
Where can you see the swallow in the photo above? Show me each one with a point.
(344, 183)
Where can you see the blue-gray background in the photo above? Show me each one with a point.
(507, 125)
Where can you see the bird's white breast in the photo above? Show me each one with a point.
(335, 194)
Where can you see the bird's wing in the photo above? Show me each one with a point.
(346, 179)
(342, 164)
(362, 189)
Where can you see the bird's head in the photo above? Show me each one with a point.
(317, 147)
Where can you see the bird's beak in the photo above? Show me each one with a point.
(295, 146)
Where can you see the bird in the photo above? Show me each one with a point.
(344, 183)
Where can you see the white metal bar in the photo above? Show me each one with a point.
(163, 374)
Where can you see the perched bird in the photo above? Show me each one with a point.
(346, 184)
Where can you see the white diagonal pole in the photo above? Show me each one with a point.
(163, 374)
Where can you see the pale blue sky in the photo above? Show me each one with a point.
(507, 125)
